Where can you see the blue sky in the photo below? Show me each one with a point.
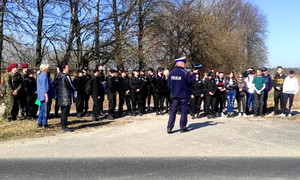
(283, 38)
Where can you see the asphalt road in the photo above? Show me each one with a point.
(151, 168)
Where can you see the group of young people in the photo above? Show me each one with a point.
(250, 89)
(214, 89)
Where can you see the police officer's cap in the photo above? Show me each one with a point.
(264, 69)
(113, 71)
(135, 70)
(123, 70)
(85, 68)
(182, 59)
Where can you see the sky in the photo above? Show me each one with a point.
(283, 37)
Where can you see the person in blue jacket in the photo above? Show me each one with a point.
(180, 82)
(268, 88)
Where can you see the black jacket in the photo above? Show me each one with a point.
(29, 85)
(101, 76)
(150, 83)
(79, 84)
(198, 88)
(210, 86)
(233, 86)
(97, 86)
(112, 84)
(160, 84)
(136, 83)
(65, 89)
(123, 85)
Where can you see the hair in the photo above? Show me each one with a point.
(166, 73)
(44, 66)
(292, 72)
(62, 67)
(279, 67)
(259, 69)
(233, 77)
(252, 72)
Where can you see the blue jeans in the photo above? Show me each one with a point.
(230, 100)
(250, 99)
(44, 113)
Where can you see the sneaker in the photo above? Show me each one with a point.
(193, 116)
(67, 129)
(222, 115)
(245, 115)
(240, 114)
(110, 117)
(217, 115)
(282, 115)
(290, 115)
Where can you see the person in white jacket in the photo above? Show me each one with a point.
(290, 88)
(250, 92)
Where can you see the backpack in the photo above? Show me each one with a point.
(89, 87)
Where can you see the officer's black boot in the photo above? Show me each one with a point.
(22, 116)
(140, 113)
(8, 119)
(198, 115)
(157, 113)
(95, 118)
(161, 112)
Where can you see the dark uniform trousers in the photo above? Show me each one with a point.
(176, 104)
(168, 102)
(220, 100)
(123, 98)
(136, 99)
(112, 102)
(159, 101)
(150, 93)
(144, 97)
(31, 106)
(196, 104)
(101, 103)
(210, 104)
(278, 96)
(79, 104)
(96, 106)
(65, 110)
(86, 102)
(22, 101)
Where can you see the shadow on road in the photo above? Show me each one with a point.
(195, 126)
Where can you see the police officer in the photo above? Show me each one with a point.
(150, 87)
(22, 94)
(79, 84)
(13, 85)
(136, 85)
(101, 78)
(86, 97)
(112, 87)
(160, 86)
(30, 88)
(180, 82)
(124, 92)
(97, 93)
(145, 88)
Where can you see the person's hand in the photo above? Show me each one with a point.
(196, 71)
(98, 97)
(278, 88)
(258, 92)
(138, 90)
(15, 92)
(1, 95)
(202, 95)
(192, 96)
(127, 92)
(241, 90)
(35, 92)
(220, 88)
(46, 100)
(210, 93)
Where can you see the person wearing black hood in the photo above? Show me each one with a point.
(86, 97)
(79, 84)
(65, 90)
(31, 95)
(136, 84)
(197, 96)
(210, 89)
(112, 91)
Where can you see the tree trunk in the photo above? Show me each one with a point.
(117, 54)
(38, 54)
(140, 34)
(97, 31)
(1, 30)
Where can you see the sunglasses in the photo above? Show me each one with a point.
(240, 77)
